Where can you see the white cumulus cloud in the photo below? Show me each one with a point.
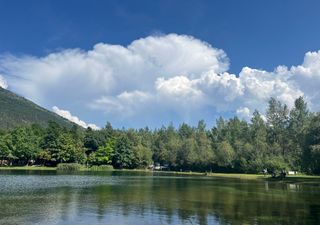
(244, 113)
(126, 103)
(67, 115)
(155, 80)
(3, 83)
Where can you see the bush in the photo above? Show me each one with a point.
(101, 168)
(69, 166)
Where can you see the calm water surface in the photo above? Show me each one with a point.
(38, 197)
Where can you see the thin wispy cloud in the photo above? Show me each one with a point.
(67, 115)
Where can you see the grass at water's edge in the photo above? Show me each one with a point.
(27, 168)
(294, 178)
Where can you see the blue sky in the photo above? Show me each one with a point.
(258, 35)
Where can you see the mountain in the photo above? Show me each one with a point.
(16, 110)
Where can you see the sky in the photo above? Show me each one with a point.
(149, 63)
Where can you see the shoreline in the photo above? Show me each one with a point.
(299, 177)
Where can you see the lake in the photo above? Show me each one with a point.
(115, 197)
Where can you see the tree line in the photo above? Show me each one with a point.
(283, 139)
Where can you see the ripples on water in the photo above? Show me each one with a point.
(138, 198)
(13, 184)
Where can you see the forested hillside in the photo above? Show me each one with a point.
(285, 139)
(17, 111)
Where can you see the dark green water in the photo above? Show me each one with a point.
(38, 197)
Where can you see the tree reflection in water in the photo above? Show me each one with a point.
(119, 198)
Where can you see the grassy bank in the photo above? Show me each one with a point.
(27, 168)
(46, 168)
(238, 175)
(293, 178)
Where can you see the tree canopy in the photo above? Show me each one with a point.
(283, 139)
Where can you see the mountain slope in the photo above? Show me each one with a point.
(16, 111)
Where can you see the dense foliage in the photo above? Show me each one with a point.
(15, 110)
(284, 139)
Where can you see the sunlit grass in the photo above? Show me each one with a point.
(27, 168)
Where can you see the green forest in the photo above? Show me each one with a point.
(284, 139)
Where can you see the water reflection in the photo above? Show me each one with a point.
(124, 198)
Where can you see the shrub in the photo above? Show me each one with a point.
(101, 168)
(69, 166)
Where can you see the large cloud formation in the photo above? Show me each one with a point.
(155, 80)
